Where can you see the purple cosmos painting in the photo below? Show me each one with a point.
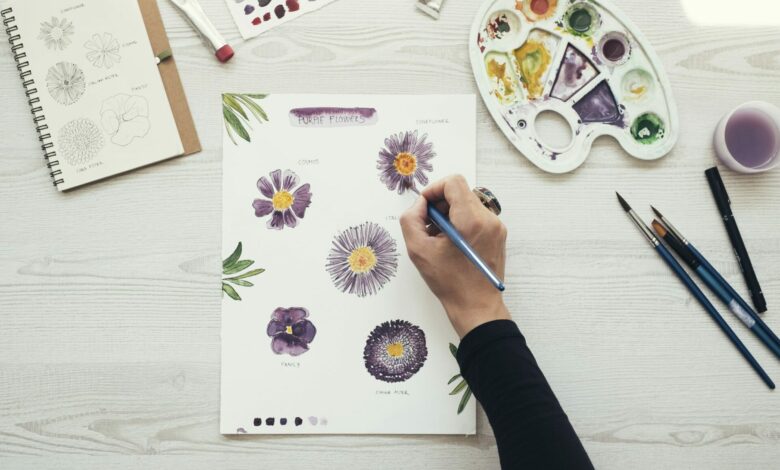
(286, 201)
(395, 351)
(362, 260)
(404, 160)
(291, 331)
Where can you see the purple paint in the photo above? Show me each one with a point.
(280, 11)
(248, 9)
(752, 138)
(599, 105)
(264, 3)
(574, 73)
(332, 117)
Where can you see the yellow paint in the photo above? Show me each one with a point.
(405, 164)
(638, 90)
(362, 260)
(497, 72)
(533, 60)
(282, 200)
(395, 350)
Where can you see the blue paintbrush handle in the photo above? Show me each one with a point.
(763, 326)
(699, 295)
(452, 233)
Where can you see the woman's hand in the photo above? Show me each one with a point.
(468, 297)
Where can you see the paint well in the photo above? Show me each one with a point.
(614, 48)
(503, 84)
(581, 19)
(533, 60)
(574, 73)
(647, 129)
(752, 138)
(599, 105)
(540, 7)
(637, 85)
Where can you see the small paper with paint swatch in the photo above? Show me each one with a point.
(255, 17)
(327, 327)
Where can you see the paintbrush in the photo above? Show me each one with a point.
(713, 275)
(695, 291)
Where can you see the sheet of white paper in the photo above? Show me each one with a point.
(98, 84)
(328, 388)
(254, 17)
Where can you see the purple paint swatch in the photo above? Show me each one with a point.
(280, 11)
(264, 3)
(332, 117)
(752, 138)
(599, 105)
(248, 9)
(574, 73)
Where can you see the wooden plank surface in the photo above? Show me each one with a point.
(110, 301)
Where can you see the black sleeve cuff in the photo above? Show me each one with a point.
(484, 335)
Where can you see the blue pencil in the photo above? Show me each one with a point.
(724, 290)
(697, 293)
(452, 233)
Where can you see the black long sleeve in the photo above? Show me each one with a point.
(531, 429)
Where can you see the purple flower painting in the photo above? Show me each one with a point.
(291, 331)
(395, 351)
(362, 260)
(404, 160)
(284, 202)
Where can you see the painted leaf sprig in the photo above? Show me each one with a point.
(238, 111)
(234, 268)
(462, 386)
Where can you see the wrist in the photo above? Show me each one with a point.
(465, 318)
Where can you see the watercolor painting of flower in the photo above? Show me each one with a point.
(462, 386)
(237, 118)
(56, 33)
(232, 268)
(284, 202)
(404, 160)
(395, 351)
(362, 259)
(103, 51)
(66, 83)
(291, 331)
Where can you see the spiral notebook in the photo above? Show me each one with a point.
(101, 100)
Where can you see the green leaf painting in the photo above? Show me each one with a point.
(238, 111)
(462, 386)
(233, 272)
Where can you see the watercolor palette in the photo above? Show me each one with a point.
(583, 60)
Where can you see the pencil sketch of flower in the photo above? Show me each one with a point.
(285, 203)
(79, 141)
(125, 118)
(237, 119)
(362, 259)
(395, 351)
(291, 331)
(103, 50)
(404, 160)
(232, 268)
(56, 33)
(66, 83)
(462, 385)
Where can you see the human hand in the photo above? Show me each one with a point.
(468, 297)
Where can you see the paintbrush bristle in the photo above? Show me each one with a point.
(623, 202)
(659, 229)
(657, 214)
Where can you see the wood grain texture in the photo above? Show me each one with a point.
(109, 296)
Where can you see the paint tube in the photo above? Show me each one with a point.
(431, 7)
(197, 17)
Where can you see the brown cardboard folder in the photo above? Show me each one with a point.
(170, 77)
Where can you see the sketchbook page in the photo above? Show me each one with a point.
(327, 327)
(98, 83)
(255, 17)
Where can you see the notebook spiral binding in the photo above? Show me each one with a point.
(22, 65)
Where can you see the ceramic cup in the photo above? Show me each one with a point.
(747, 139)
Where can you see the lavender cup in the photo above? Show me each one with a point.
(747, 139)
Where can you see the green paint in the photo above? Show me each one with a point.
(580, 20)
(647, 129)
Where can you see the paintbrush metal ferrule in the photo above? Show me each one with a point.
(651, 238)
(670, 226)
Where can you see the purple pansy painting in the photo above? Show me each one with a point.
(395, 351)
(404, 160)
(362, 260)
(291, 331)
(284, 202)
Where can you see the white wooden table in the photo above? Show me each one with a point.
(110, 300)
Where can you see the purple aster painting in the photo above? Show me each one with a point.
(362, 260)
(395, 351)
(284, 202)
(291, 331)
(404, 160)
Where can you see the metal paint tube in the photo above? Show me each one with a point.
(431, 7)
(197, 17)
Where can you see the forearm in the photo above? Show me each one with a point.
(532, 431)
